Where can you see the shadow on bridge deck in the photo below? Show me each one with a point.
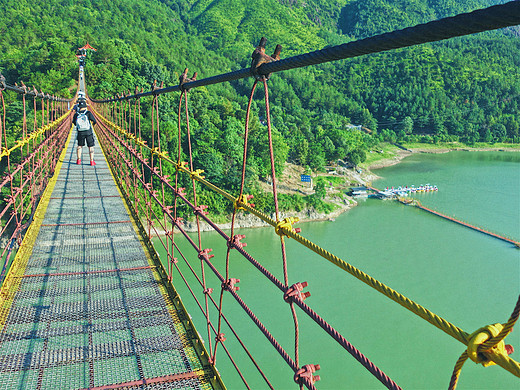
(89, 310)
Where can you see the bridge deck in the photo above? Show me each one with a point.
(89, 309)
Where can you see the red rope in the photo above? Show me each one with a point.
(122, 159)
(190, 155)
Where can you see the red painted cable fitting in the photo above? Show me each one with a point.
(235, 241)
(306, 373)
(229, 284)
(295, 291)
(208, 290)
(220, 338)
(249, 197)
(177, 221)
(180, 191)
(175, 260)
(200, 210)
(204, 254)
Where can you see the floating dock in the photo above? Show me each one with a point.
(418, 204)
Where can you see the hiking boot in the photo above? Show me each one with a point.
(78, 161)
(92, 163)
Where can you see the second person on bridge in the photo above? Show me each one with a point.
(84, 120)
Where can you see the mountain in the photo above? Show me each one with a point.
(464, 89)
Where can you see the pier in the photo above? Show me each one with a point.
(414, 202)
(418, 204)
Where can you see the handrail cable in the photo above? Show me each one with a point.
(491, 18)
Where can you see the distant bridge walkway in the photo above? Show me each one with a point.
(90, 310)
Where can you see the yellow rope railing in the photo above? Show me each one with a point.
(495, 355)
(35, 134)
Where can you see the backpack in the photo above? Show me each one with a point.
(82, 122)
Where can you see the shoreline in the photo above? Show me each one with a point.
(401, 154)
(250, 221)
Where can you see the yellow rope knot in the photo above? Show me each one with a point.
(480, 337)
(181, 165)
(158, 152)
(196, 174)
(140, 142)
(286, 223)
(241, 201)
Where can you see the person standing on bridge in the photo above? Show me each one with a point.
(84, 120)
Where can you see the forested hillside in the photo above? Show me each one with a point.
(465, 89)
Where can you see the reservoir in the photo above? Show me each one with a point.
(468, 278)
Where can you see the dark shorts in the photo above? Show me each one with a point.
(88, 136)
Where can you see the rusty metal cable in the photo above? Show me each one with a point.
(372, 368)
(491, 18)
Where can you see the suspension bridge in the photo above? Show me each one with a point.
(85, 300)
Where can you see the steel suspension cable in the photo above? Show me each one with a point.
(491, 18)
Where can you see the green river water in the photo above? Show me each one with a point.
(464, 276)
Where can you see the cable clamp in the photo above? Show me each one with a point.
(295, 291)
(204, 254)
(208, 291)
(286, 223)
(196, 174)
(140, 142)
(306, 373)
(229, 285)
(235, 241)
(3, 85)
(180, 191)
(155, 88)
(259, 58)
(181, 165)
(220, 338)
(200, 210)
(163, 154)
(480, 337)
(184, 79)
(241, 202)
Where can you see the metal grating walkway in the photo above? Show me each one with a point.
(89, 310)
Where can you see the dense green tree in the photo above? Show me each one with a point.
(465, 89)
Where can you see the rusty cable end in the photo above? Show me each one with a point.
(259, 58)
(305, 374)
(184, 79)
